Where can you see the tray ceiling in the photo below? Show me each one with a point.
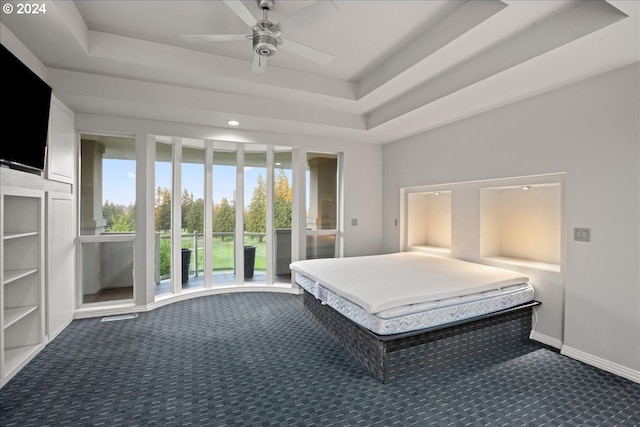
(399, 67)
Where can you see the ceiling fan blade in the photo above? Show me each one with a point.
(319, 10)
(241, 10)
(310, 53)
(215, 37)
(259, 64)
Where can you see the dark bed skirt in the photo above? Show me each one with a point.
(389, 357)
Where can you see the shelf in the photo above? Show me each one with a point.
(12, 315)
(13, 275)
(429, 219)
(536, 265)
(9, 236)
(522, 225)
(22, 325)
(13, 357)
(430, 249)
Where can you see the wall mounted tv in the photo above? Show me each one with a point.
(25, 118)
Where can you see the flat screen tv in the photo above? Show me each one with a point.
(25, 117)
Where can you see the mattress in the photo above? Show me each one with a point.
(425, 290)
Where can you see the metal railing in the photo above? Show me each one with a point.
(194, 267)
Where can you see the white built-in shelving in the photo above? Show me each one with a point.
(429, 221)
(521, 225)
(22, 308)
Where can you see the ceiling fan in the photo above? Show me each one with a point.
(266, 35)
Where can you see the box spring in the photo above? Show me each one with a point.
(389, 357)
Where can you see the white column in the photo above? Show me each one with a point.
(176, 215)
(208, 214)
(298, 204)
(144, 255)
(340, 201)
(239, 206)
(269, 220)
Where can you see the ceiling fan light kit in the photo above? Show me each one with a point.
(266, 35)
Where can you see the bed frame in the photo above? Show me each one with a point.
(388, 357)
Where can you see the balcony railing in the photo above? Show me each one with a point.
(320, 244)
(223, 252)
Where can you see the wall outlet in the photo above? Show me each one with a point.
(354, 221)
(582, 234)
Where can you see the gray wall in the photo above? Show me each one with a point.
(590, 131)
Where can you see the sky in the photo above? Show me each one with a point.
(119, 180)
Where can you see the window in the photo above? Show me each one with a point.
(107, 211)
(192, 209)
(224, 214)
(322, 205)
(162, 217)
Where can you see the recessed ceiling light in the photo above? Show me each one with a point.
(526, 187)
(233, 123)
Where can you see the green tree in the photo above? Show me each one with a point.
(256, 215)
(186, 203)
(165, 257)
(194, 220)
(163, 209)
(119, 218)
(282, 201)
(111, 213)
(224, 217)
(125, 223)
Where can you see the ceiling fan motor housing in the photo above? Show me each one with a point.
(265, 42)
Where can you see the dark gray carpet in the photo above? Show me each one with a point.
(258, 359)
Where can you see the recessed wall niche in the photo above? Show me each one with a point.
(522, 224)
(429, 220)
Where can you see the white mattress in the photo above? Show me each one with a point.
(381, 282)
(499, 290)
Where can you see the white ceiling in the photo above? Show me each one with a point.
(399, 67)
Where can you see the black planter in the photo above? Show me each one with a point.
(249, 261)
(186, 260)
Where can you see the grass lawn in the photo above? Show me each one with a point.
(223, 252)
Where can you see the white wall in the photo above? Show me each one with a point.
(590, 130)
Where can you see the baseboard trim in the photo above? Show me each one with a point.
(600, 363)
(128, 307)
(62, 327)
(545, 339)
(172, 298)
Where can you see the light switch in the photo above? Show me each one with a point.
(354, 221)
(582, 234)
